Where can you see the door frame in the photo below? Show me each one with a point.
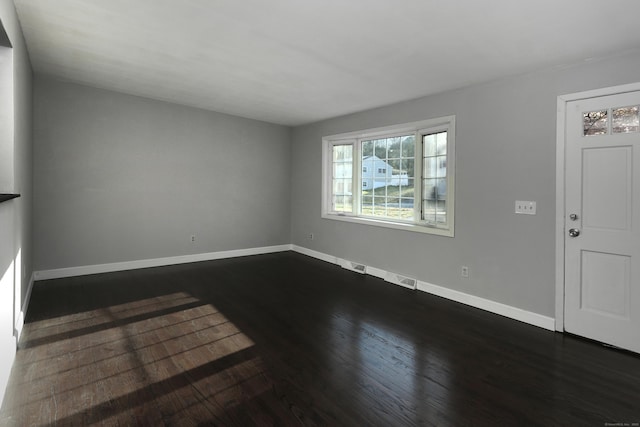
(561, 121)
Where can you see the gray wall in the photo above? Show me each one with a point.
(506, 141)
(15, 216)
(122, 178)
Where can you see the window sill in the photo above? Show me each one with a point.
(416, 228)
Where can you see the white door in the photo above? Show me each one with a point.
(602, 224)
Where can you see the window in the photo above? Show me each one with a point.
(342, 178)
(623, 120)
(407, 178)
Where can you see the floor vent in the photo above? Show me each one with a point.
(353, 266)
(397, 279)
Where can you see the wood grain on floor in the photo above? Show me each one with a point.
(283, 339)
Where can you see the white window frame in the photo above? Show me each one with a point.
(355, 139)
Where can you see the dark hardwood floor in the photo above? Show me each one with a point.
(283, 339)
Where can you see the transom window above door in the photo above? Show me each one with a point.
(611, 121)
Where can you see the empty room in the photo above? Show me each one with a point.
(319, 213)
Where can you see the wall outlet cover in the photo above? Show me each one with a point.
(526, 207)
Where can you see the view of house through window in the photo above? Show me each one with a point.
(399, 176)
(387, 177)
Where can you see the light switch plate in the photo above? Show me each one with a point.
(526, 207)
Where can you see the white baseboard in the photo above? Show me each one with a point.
(376, 272)
(491, 306)
(314, 254)
(495, 307)
(511, 312)
(155, 262)
(23, 311)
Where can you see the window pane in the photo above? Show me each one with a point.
(441, 211)
(343, 170)
(381, 148)
(342, 153)
(441, 162)
(408, 145)
(625, 120)
(342, 187)
(387, 184)
(407, 190)
(441, 139)
(367, 205)
(430, 167)
(406, 205)
(342, 183)
(429, 189)
(399, 178)
(380, 206)
(434, 183)
(399, 208)
(393, 149)
(407, 167)
(595, 122)
(396, 165)
(429, 211)
(367, 149)
(348, 204)
(434, 211)
(430, 144)
(338, 204)
(338, 187)
(441, 189)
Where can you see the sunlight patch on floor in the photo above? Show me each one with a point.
(132, 354)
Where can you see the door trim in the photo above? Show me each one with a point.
(561, 184)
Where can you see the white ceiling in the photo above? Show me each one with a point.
(299, 61)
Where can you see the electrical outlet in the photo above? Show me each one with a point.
(525, 207)
(464, 271)
(310, 236)
(193, 238)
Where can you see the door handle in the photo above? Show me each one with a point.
(574, 232)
